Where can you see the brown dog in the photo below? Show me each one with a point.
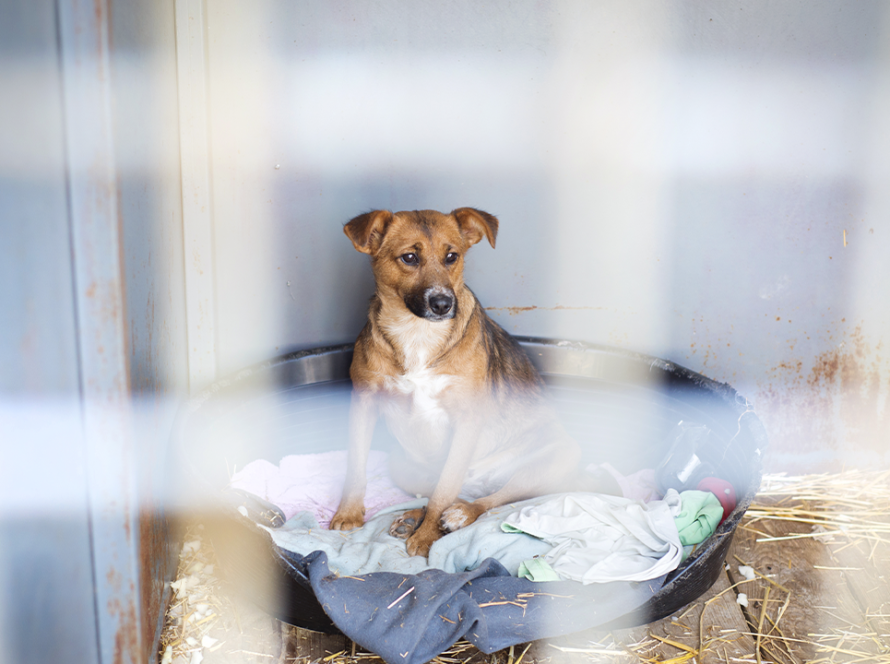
(457, 391)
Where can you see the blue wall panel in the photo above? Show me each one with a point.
(47, 608)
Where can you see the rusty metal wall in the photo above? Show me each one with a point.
(92, 346)
(700, 181)
(46, 571)
(146, 144)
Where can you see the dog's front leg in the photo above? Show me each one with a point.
(463, 444)
(362, 419)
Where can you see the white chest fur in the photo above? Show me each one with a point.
(424, 386)
(420, 341)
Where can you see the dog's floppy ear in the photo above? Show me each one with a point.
(367, 230)
(475, 223)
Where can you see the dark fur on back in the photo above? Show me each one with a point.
(508, 365)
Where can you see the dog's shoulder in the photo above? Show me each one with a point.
(507, 361)
(502, 359)
(373, 356)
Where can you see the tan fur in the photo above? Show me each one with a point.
(458, 393)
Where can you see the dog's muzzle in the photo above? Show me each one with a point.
(441, 305)
(434, 304)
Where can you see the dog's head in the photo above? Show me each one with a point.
(418, 256)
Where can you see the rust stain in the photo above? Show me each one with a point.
(839, 404)
(114, 579)
(126, 639)
(127, 529)
(155, 568)
(709, 356)
(559, 307)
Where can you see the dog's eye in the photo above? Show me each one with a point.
(409, 259)
(450, 258)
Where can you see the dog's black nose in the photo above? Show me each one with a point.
(441, 304)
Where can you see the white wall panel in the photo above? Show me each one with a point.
(674, 178)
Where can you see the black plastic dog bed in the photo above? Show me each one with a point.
(619, 405)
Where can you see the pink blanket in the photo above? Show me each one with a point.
(314, 482)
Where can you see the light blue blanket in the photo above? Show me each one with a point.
(372, 549)
(611, 538)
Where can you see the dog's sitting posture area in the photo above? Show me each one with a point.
(459, 394)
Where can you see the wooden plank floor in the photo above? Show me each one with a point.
(817, 591)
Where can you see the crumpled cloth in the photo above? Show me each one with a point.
(411, 618)
(537, 569)
(314, 483)
(372, 549)
(700, 514)
(724, 491)
(598, 538)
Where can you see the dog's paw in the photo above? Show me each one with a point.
(406, 525)
(347, 519)
(419, 544)
(458, 516)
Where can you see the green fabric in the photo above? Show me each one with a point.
(700, 514)
(537, 569)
